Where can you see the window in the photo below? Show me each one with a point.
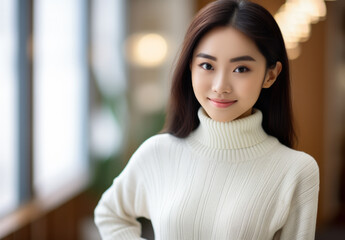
(44, 105)
(44, 99)
(60, 93)
(8, 107)
(109, 114)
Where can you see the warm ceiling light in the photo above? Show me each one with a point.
(147, 50)
(295, 18)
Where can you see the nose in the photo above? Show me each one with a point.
(221, 84)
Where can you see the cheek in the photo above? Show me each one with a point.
(249, 89)
(200, 84)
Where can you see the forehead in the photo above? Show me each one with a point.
(227, 41)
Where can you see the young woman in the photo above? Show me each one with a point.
(225, 167)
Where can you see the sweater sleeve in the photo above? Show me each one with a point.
(125, 200)
(301, 216)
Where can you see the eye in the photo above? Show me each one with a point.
(241, 69)
(206, 66)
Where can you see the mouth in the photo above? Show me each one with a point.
(222, 103)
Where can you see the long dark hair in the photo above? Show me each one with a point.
(256, 23)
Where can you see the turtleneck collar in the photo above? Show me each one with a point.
(239, 139)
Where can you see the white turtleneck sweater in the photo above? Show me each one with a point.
(224, 181)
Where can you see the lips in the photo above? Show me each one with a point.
(222, 103)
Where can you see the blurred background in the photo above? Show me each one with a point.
(84, 82)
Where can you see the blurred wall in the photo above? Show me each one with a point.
(334, 165)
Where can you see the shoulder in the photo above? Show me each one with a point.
(157, 144)
(154, 154)
(303, 159)
(299, 163)
(160, 140)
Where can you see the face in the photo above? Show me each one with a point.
(228, 73)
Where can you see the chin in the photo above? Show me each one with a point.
(224, 118)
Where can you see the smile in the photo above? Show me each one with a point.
(222, 103)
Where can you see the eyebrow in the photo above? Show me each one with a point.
(242, 58)
(235, 59)
(204, 55)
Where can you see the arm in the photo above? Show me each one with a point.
(301, 216)
(124, 201)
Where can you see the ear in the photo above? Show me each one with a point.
(271, 75)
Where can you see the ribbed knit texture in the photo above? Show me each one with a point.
(225, 181)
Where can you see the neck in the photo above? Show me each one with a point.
(243, 136)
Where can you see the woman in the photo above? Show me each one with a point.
(225, 167)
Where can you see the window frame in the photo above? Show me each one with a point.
(25, 99)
